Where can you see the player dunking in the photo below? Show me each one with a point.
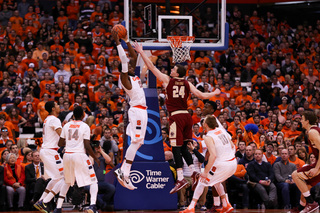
(178, 90)
(221, 165)
(75, 136)
(53, 165)
(138, 116)
(308, 176)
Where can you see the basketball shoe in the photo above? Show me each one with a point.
(124, 181)
(187, 210)
(179, 185)
(227, 209)
(311, 207)
(42, 207)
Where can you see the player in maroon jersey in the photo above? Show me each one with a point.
(178, 90)
(308, 176)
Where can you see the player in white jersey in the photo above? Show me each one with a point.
(221, 165)
(138, 116)
(75, 136)
(53, 165)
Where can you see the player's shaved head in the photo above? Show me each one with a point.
(78, 113)
(48, 106)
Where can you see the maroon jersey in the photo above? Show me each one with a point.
(178, 91)
(315, 151)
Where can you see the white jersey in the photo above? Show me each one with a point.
(50, 136)
(136, 94)
(224, 150)
(75, 132)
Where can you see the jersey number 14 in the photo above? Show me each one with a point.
(73, 134)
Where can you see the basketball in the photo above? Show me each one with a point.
(121, 30)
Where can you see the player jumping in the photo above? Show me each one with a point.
(138, 115)
(178, 90)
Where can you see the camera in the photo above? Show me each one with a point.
(95, 143)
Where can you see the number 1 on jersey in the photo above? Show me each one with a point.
(178, 92)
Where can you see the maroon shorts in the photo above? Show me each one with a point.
(311, 181)
(180, 128)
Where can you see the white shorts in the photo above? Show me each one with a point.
(138, 120)
(78, 167)
(221, 172)
(53, 164)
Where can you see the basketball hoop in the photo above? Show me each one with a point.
(180, 46)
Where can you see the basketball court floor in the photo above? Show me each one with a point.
(237, 210)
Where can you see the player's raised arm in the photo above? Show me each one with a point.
(162, 77)
(124, 62)
(132, 53)
(202, 95)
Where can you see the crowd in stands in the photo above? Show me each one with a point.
(269, 76)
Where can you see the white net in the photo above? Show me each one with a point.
(180, 46)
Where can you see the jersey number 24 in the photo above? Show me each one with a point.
(178, 91)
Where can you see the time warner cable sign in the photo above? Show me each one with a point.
(153, 179)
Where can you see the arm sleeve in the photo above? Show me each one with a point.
(199, 156)
(123, 58)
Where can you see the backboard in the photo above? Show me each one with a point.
(150, 22)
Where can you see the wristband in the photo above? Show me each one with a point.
(127, 41)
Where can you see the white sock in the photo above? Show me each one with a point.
(227, 197)
(93, 193)
(49, 187)
(55, 189)
(306, 194)
(191, 167)
(180, 174)
(216, 201)
(130, 155)
(192, 204)
(63, 191)
(224, 202)
(302, 203)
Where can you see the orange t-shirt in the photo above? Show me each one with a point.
(43, 112)
(298, 162)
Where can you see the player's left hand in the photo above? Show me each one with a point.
(312, 172)
(137, 47)
(217, 91)
(115, 36)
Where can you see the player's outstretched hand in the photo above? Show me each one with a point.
(217, 91)
(115, 36)
(137, 47)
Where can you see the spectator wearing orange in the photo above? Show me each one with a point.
(41, 111)
(37, 54)
(16, 21)
(98, 13)
(72, 12)
(80, 57)
(77, 78)
(115, 19)
(293, 132)
(293, 157)
(96, 48)
(56, 46)
(101, 66)
(28, 16)
(4, 138)
(85, 64)
(62, 19)
(236, 124)
(14, 181)
(270, 157)
(71, 39)
(16, 119)
(236, 89)
(259, 74)
(243, 98)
